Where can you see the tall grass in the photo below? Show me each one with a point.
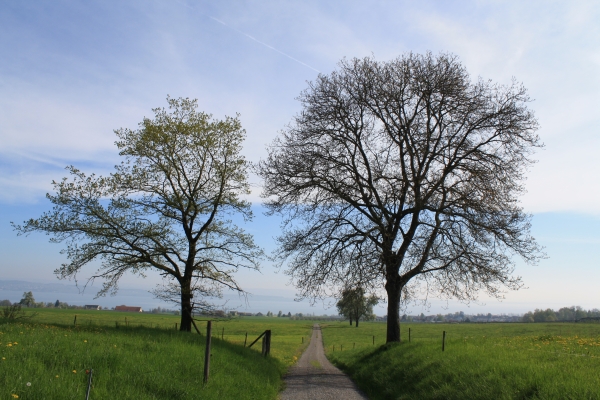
(39, 360)
(480, 361)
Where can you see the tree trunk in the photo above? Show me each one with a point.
(357, 322)
(186, 306)
(350, 320)
(393, 308)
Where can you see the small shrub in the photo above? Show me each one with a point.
(14, 312)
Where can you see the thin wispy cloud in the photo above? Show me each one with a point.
(264, 44)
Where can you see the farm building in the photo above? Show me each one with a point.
(128, 309)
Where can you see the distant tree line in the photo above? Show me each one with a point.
(564, 314)
(160, 310)
(29, 301)
(279, 314)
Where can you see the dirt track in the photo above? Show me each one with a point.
(314, 377)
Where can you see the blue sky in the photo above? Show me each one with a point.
(73, 71)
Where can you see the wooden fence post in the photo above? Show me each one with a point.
(443, 340)
(409, 335)
(222, 333)
(75, 320)
(302, 339)
(207, 353)
(175, 325)
(246, 339)
(373, 340)
(256, 340)
(268, 341)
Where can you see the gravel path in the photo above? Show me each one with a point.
(314, 377)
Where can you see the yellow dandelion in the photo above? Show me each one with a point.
(16, 396)
(4, 358)
(56, 376)
(85, 341)
(15, 343)
(9, 345)
(74, 371)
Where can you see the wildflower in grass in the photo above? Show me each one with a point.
(9, 345)
(4, 358)
(16, 396)
(56, 376)
(87, 371)
(74, 371)
(28, 383)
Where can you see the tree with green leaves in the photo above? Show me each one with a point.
(167, 207)
(354, 305)
(28, 300)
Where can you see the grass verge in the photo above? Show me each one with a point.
(39, 360)
(480, 361)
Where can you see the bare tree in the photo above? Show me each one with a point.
(167, 207)
(403, 172)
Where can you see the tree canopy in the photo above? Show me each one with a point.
(354, 305)
(404, 176)
(28, 300)
(166, 207)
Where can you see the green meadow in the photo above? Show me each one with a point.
(480, 361)
(143, 357)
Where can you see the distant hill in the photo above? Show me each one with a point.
(70, 288)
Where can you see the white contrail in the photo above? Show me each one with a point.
(264, 44)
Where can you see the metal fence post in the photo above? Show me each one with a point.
(89, 387)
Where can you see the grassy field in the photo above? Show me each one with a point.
(145, 358)
(142, 356)
(480, 361)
